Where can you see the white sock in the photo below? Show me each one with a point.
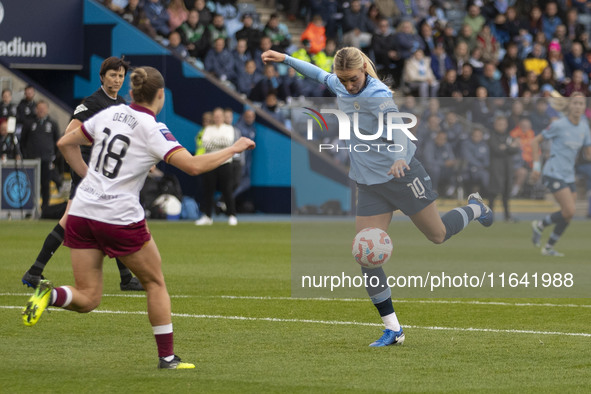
(391, 322)
(476, 209)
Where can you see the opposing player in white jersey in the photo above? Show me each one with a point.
(568, 135)
(386, 180)
(106, 216)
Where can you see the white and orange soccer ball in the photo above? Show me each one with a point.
(372, 247)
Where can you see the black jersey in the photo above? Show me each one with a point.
(89, 107)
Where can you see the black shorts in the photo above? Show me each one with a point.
(555, 184)
(411, 193)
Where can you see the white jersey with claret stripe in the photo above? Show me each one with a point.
(127, 142)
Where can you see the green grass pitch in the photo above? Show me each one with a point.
(235, 319)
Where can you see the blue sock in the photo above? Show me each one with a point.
(456, 220)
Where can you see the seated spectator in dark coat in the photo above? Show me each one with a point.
(241, 56)
(271, 106)
(291, 85)
(220, 61)
(576, 60)
(510, 82)
(387, 61)
(193, 35)
(357, 28)
(249, 33)
(248, 78)
(440, 163)
(217, 29)
(449, 85)
(265, 45)
(270, 83)
(280, 37)
(467, 82)
(406, 40)
(480, 108)
(441, 62)
(176, 46)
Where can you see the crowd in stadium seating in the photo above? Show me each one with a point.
(468, 51)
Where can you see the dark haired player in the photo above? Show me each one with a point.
(112, 74)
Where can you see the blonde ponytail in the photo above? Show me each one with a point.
(351, 58)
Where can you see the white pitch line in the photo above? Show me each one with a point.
(334, 322)
(405, 301)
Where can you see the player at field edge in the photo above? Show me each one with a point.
(106, 216)
(568, 135)
(112, 74)
(386, 181)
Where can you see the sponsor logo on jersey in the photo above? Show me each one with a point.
(168, 135)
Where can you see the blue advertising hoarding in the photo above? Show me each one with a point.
(41, 34)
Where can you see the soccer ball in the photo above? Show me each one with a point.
(372, 247)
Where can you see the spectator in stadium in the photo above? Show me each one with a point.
(572, 25)
(535, 61)
(418, 74)
(440, 163)
(408, 9)
(576, 85)
(315, 34)
(512, 22)
(406, 40)
(555, 60)
(576, 60)
(134, 13)
(383, 189)
(480, 109)
(426, 133)
(441, 62)
(241, 55)
(220, 62)
(467, 81)
(568, 135)
(158, 17)
(248, 77)
(540, 117)
(251, 34)
(218, 137)
(247, 129)
(193, 36)
(426, 34)
(264, 46)
(525, 135)
(474, 19)
(530, 84)
(502, 149)
(488, 80)
(546, 78)
(177, 13)
(325, 58)
(461, 57)
(292, 85)
(357, 28)
(550, 20)
(534, 23)
(9, 147)
(112, 73)
(476, 61)
(455, 132)
(270, 83)
(510, 82)
(25, 110)
(475, 154)
(216, 29)
(7, 107)
(277, 32)
(38, 141)
(388, 63)
(205, 15)
(512, 58)
(271, 106)
(488, 44)
(123, 232)
(449, 39)
(176, 45)
(449, 86)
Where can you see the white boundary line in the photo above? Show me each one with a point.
(405, 301)
(334, 322)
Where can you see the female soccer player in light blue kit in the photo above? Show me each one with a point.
(386, 181)
(568, 135)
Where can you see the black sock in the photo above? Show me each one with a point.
(124, 272)
(385, 307)
(53, 241)
(456, 220)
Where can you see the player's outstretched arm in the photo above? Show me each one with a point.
(69, 145)
(304, 68)
(195, 165)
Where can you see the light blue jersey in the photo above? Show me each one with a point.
(370, 159)
(567, 139)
